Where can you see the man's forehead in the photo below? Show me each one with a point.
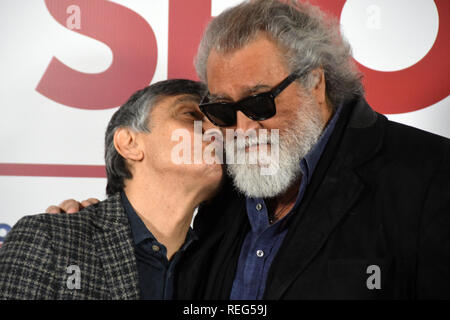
(256, 67)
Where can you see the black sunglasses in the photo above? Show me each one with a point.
(257, 107)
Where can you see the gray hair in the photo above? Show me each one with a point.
(306, 37)
(135, 114)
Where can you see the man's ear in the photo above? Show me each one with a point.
(318, 88)
(127, 145)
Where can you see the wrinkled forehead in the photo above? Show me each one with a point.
(257, 66)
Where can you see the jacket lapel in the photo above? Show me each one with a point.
(114, 248)
(335, 187)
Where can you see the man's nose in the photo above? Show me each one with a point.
(245, 123)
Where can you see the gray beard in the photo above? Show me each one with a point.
(295, 142)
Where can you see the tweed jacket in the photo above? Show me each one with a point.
(42, 254)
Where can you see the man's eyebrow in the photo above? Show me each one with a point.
(256, 88)
(219, 97)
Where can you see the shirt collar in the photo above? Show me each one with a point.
(138, 228)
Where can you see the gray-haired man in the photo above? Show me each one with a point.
(127, 246)
(360, 207)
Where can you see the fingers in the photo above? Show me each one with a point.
(70, 206)
(88, 202)
(53, 209)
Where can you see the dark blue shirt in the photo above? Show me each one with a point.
(262, 242)
(154, 269)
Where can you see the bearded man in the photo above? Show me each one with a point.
(360, 206)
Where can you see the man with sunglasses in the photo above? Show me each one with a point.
(360, 206)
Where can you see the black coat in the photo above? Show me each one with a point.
(380, 195)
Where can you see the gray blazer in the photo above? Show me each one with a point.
(87, 255)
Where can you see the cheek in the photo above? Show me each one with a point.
(287, 107)
(154, 150)
(283, 118)
(159, 147)
(188, 139)
(207, 125)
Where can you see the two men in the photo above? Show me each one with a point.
(127, 246)
(359, 207)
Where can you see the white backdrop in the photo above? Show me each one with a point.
(38, 132)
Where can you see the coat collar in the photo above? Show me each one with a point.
(114, 247)
(335, 187)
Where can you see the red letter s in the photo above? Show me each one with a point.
(134, 48)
